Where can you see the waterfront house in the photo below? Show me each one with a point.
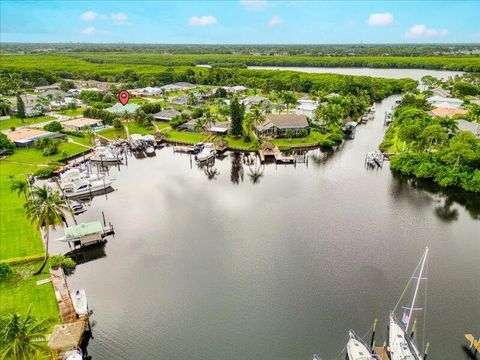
(445, 102)
(278, 124)
(188, 126)
(81, 124)
(25, 137)
(121, 109)
(441, 92)
(166, 115)
(306, 107)
(447, 112)
(180, 100)
(465, 125)
(219, 128)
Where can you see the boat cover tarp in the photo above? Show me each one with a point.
(77, 231)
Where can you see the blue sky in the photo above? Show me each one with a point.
(241, 21)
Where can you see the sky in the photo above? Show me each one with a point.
(240, 22)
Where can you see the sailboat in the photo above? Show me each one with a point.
(400, 345)
(357, 349)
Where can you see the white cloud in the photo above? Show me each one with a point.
(202, 20)
(255, 5)
(275, 21)
(380, 19)
(89, 31)
(119, 18)
(89, 16)
(421, 31)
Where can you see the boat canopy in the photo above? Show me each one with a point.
(136, 137)
(84, 229)
(148, 137)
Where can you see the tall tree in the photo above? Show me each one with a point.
(289, 99)
(46, 209)
(20, 187)
(20, 108)
(21, 336)
(237, 112)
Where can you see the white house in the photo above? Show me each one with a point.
(445, 102)
(306, 107)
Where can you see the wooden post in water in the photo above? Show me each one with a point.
(426, 351)
(372, 342)
(104, 222)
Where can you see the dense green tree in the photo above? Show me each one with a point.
(288, 99)
(462, 89)
(20, 108)
(6, 145)
(237, 113)
(53, 126)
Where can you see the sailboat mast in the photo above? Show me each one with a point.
(416, 289)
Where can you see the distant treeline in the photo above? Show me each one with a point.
(34, 70)
(305, 50)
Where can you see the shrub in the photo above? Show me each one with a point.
(66, 263)
(326, 143)
(53, 126)
(5, 271)
(45, 172)
(23, 260)
(6, 144)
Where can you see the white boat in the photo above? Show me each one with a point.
(208, 152)
(105, 155)
(73, 175)
(400, 345)
(79, 300)
(85, 187)
(150, 151)
(75, 354)
(357, 349)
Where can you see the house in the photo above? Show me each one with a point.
(219, 128)
(445, 112)
(166, 115)
(253, 100)
(465, 125)
(235, 89)
(306, 107)
(65, 102)
(46, 87)
(279, 124)
(122, 109)
(81, 123)
(25, 137)
(331, 95)
(445, 102)
(188, 126)
(147, 91)
(441, 92)
(179, 86)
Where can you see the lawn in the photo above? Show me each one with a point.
(20, 291)
(72, 112)
(186, 137)
(134, 128)
(312, 139)
(239, 143)
(80, 139)
(16, 122)
(113, 133)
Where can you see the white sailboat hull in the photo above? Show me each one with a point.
(79, 300)
(357, 350)
(400, 345)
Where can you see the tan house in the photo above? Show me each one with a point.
(279, 124)
(444, 112)
(25, 137)
(80, 124)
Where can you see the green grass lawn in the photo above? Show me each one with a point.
(312, 139)
(71, 112)
(15, 122)
(113, 133)
(134, 128)
(20, 291)
(240, 143)
(183, 136)
(80, 139)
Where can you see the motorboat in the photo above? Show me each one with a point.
(150, 151)
(75, 354)
(197, 148)
(85, 187)
(208, 152)
(73, 175)
(79, 300)
(349, 129)
(78, 209)
(105, 155)
(357, 349)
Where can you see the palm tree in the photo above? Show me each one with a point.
(20, 186)
(22, 338)
(200, 125)
(289, 99)
(46, 208)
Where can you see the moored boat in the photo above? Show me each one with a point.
(85, 187)
(357, 349)
(105, 156)
(79, 300)
(208, 152)
(75, 354)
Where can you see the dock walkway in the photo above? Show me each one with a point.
(62, 294)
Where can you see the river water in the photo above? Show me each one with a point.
(396, 73)
(240, 261)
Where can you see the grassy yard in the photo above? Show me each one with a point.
(16, 122)
(186, 137)
(134, 128)
(240, 143)
(20, 291)
(71, 112)
(113, 133)
(80, 139)
(312, 139)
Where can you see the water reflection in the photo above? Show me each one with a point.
(255, 171)
(87, 254)
(236, 172)
(402, 185)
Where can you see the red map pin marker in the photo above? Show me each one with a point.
(123, 97)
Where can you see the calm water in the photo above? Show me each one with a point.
(276, 267)
(415, 74)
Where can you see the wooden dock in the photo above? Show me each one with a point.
(62, 294)
(381, 352)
